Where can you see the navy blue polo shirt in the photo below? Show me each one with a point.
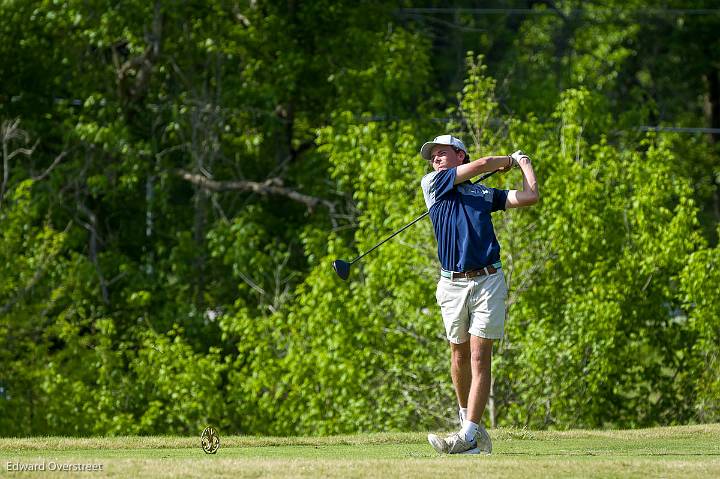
(460, 215)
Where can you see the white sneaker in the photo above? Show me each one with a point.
(456, 444)
(482, 438)
(453, 444)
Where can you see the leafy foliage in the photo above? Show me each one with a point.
(178, 177)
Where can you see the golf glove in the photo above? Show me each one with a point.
(517, 155)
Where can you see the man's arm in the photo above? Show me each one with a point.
(529, 195)
(482, 165)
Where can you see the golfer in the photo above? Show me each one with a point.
(471, 291)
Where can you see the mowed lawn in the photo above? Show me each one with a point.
(685, 451)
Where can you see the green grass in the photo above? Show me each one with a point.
(687, 452)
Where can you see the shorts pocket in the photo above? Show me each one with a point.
(504, 284)
(439, 293)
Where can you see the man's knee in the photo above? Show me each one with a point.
(461, 354)
(481, 353)
(480, 362)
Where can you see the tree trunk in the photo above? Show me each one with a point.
(712, 103)
(491, 404)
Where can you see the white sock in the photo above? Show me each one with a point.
(469, 429)
(463, 413)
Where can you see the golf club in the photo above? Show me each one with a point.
(342, 268)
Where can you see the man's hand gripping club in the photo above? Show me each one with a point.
(529, 195)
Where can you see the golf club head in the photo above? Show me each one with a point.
(342, 268)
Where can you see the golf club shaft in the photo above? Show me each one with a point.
(392, 236)
(486, 175)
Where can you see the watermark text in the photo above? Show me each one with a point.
(52, 466)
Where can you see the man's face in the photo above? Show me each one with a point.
(443, 157)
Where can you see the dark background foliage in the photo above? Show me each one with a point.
(177, 178)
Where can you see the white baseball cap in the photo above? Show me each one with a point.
(441, 140)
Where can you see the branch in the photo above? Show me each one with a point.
(9, 131)
(94, 236)
(23, 151)
(271, 186)
(241, 19)
(55, 162)
(133, 75)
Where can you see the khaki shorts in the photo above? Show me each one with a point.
(473, 306)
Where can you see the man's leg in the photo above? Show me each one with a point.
(461, 372)
(481, 362)
(472, 438)
(472, 429)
